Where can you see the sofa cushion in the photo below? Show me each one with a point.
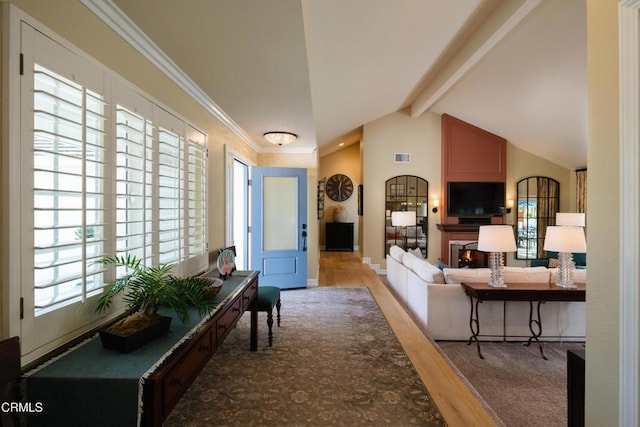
(396, 253)
(459, 275)
(428, 272)
(509, 274)
(525, 274)
(578, 258)
(409, 259)
(579, 275)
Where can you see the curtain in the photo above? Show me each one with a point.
(581, 190)
(542, 211)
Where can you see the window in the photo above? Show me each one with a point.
(538, 203)
(407, 193)
(134, 185)
(197, 197)
(68, 195)
(170, 197)
(104, 171)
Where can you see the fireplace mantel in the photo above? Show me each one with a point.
(459, 228)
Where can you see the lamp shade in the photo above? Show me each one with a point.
(565, 239)
(403, 218)
(570, 218)
(496, 238)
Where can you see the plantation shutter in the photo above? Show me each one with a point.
(134, 185)
(68, 195)
(171, 147)
(197, 194)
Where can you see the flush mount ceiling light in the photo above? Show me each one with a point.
(280, 138)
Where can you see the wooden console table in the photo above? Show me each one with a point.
(539, 292)
(94, 386)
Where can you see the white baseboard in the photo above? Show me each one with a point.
(374, 267)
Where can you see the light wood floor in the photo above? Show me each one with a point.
(456, 403)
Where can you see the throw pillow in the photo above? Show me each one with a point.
(428, 272)
(417, 252)
(553, 262)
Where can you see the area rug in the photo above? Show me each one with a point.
(519, 386)
(334, 361)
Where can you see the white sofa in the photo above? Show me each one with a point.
(437, 301)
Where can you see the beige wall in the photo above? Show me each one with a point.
(398, 133)
(309, 162)
(347, 162)
(522, 164)
(421, 137)
(603, 307)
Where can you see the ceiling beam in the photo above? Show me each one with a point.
(498, 25)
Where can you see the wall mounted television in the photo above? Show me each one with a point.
(475, 198)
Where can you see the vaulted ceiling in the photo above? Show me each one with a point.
(323, 68)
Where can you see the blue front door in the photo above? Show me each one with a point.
(279, 226)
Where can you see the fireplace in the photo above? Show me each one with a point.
(465, 254)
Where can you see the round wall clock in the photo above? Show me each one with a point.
(339, 187)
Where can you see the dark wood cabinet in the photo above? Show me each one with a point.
(166, 385)
(575, 387)
(339, 236)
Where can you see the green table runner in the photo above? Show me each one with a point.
(93, 386)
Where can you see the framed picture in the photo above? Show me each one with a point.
(360, 190)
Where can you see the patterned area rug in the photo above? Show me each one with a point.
(334, 361)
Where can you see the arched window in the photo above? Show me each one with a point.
(538, 203)
(407, 193)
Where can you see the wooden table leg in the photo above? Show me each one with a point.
(537, 323)
(253, 346)
(474, 325)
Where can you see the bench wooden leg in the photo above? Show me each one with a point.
(278, 310)
(270, 324)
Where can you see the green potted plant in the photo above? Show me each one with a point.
(145, 289)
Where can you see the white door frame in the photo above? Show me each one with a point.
(629, 334)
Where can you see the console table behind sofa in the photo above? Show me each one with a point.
(94, 386)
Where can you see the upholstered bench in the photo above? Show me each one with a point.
(268, 297)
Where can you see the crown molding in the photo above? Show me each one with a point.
(119, 22)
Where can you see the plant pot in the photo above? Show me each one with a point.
(128, 343)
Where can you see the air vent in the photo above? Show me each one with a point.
(402, 158)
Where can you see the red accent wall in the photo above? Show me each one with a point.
(469, 154)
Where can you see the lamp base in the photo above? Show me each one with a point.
(496, 264)
(566, 266)
(566, 285)
(499, 284)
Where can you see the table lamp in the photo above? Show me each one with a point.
(565, 240)
(403, 219)
(496, 239)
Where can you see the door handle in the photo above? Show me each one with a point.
(304, 237)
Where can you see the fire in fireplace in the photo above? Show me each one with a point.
(466, 254)
(472, 258)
